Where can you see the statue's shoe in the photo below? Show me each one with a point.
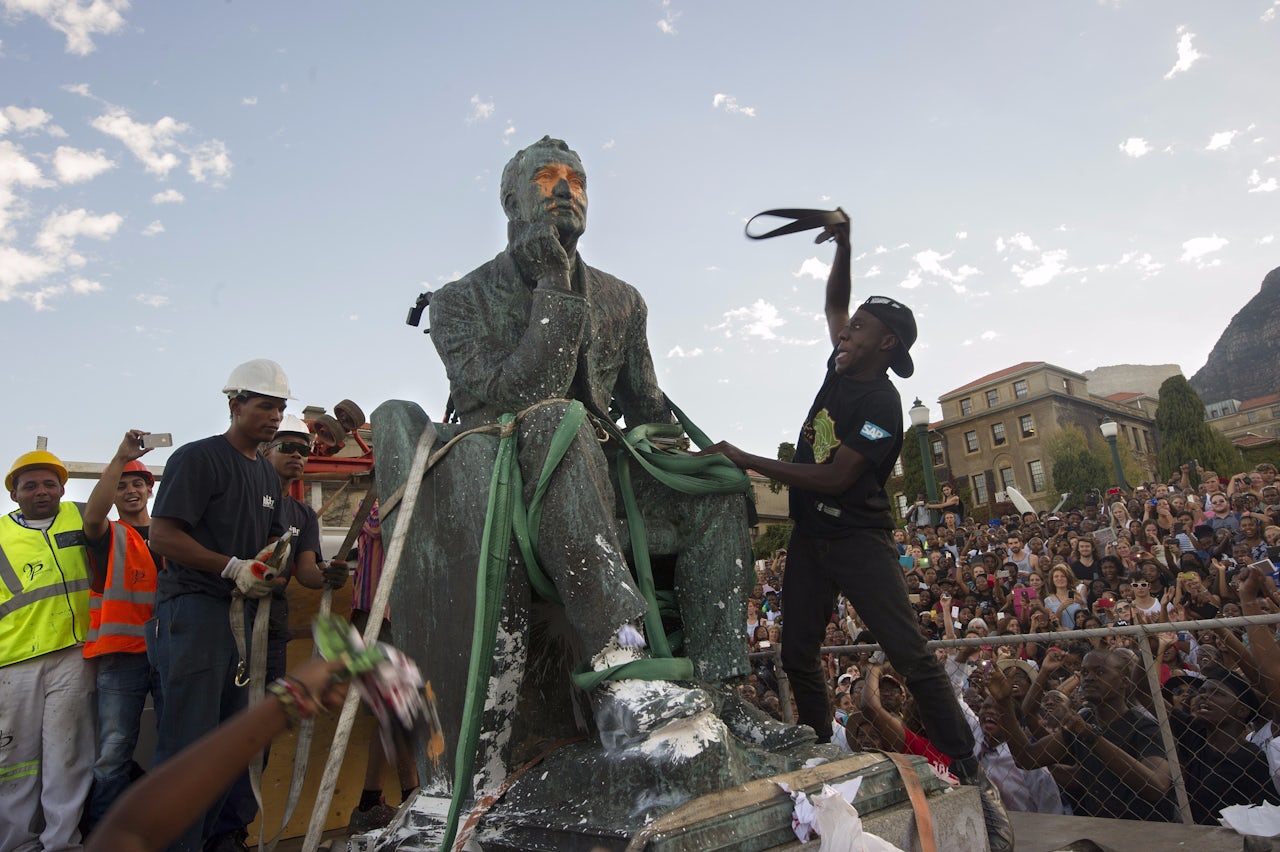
(628, 711)
(751, 724)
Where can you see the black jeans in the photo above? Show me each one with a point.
(864, 566)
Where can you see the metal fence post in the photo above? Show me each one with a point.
(1166, 733)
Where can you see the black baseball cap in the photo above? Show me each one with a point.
(898, 318)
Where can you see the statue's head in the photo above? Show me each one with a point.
(546, 182)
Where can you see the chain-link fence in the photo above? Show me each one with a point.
(1169, 722)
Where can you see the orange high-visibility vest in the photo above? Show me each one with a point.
(118, 615)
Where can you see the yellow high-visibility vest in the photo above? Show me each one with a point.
(44, 586)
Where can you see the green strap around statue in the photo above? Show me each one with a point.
(507, 515)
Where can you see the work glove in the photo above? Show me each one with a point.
(335, 574)
(269, 551)
(249, 577)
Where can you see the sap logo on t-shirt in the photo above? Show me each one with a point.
(872, 432)
(268, 502)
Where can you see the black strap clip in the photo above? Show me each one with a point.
(803, 220)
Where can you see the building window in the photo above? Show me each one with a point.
(980, 488)
(1036, 469)
(1151, 448)
(971, 442)
(1006, 478)
(1066, 386)
(997, 433)
(897, 467)
(993, 397)
(901, 500)
(1027, 425)
(1020, 389)
(1253, 416)
(966, 407)
(1275, 411)
(936, 447)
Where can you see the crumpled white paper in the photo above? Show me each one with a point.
(1258, 820)
(830, 815)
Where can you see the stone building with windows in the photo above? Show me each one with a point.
(994, 430)
(1247, 423)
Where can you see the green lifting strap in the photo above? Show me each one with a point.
(507, 515)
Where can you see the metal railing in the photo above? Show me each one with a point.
(1173, 752)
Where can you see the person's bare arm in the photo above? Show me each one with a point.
(169, 538)
(103, 495)
(1262, 641)
(1026, 754)
(839, 283)
(889, 726)
(159, 806)
(834, 477)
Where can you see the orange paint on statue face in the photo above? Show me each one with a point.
(560, 183)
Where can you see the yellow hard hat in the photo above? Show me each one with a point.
(36, 458)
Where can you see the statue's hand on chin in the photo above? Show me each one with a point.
(537, 252)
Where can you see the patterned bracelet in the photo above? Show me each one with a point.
(290, 693)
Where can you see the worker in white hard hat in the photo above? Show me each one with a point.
(214, 520)
(287, 452)
(45, 685)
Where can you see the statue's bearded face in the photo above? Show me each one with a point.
(556, 193)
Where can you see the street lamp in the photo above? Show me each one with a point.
(1110, 429)
(919, 414)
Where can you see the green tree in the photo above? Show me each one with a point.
(1184, 434)
(912, 466)
(1077, 466)
(786, 453)
(775, 536)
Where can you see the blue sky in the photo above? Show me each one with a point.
(186, 186)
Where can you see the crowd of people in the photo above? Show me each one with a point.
(98, 615)
(1062, 714)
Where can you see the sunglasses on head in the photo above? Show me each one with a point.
(291, 447)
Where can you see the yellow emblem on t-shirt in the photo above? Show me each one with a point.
(824, 436)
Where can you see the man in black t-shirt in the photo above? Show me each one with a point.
(218, 508)
(842, 539)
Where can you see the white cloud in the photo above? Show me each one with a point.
(85, 285)
(77, 20)
(1017, 241)
(210, 162)
(679, 352)
(1270, 14)
(168, 196)
(758, 319)
(813, 268)
(1187, 54)
(17, 269)
(152, 300)
(1269, 238)
(729, 103)
(1257, 184)
(1195, 249)
(508, 133)
(480, 109)
(81, 89)
(930, 261)
(1049, 266)
(60, 231)
(1135, 146)
(153, 144)
(989, 335)
(28, 121)
(156, 227)
(872, 272)
(1144, 263)
(15, 171)
(667, 23)
(962, 235)
(75, 166)
(912, 281)
(608, 146)
(1220, 140)
(249, 100)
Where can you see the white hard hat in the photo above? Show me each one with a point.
(291, 425)
(260, 376)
